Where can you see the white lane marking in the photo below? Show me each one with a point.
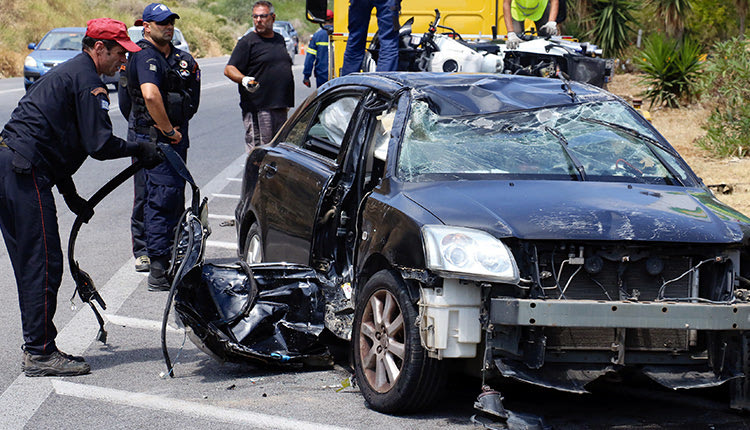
(220, 244)
(24, 396)
(231, 170)
(183, 407)
(234, 179)
(216, 85)
(20, 401)
(213, 61)
(12, 90)
(226, 196)
(224, 217)
(138, 323)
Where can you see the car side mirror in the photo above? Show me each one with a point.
(32, 46)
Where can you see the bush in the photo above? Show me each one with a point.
(724, 83)
(671, 68)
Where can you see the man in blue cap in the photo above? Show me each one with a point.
(163, 84)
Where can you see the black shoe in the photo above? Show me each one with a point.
(55, 364)
(157, 276)
(158, 284)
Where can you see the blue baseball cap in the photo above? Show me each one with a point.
(158, 12)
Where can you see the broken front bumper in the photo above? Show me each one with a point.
(568, 361)
(619, 314)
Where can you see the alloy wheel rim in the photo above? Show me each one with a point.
(381, 341)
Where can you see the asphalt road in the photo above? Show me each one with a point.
(125, 390)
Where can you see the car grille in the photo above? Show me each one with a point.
(617, 273)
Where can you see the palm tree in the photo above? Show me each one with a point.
(742, 13)
(612, 25)
(674, 13)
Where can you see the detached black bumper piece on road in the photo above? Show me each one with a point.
(272, 314)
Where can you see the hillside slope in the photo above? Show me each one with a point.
(211, 28)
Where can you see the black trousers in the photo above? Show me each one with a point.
(28, 220)
(137, 229)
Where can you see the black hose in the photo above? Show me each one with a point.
(84, 284)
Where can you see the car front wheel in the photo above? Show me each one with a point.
(393, 370)
(253, 252)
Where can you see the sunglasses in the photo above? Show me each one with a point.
(169, 21)
(261, 16)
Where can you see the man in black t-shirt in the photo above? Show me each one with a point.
(262, 67)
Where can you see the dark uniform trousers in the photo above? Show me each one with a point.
(159, 201)
(28, 218)
(158, 205)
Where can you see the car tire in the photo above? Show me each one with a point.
(253, 249)
(385, 341)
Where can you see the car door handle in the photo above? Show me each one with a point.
(270, 169)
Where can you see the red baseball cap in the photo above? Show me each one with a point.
(329, 14)
(111, 29)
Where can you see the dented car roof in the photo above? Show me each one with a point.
(477, 93)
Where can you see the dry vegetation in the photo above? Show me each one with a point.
(682, 127)
(26, 21)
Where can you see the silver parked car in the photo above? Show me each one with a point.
(178, 40)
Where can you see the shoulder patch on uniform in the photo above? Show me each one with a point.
(152, 67)
(100, 91)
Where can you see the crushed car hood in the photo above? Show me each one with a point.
(583, 210)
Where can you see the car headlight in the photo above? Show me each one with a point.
(457, 252)
(29, 62)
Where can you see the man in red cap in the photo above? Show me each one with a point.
(62, 119)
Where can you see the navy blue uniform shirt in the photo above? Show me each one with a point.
(63, 118)
(188, 69)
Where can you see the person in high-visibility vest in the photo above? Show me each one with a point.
(542, 12)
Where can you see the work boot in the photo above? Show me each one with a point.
(56, 364)
(142, 264)
(157, 276)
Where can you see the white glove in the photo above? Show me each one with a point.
(513, 40)
(550, 29)
(250, 84)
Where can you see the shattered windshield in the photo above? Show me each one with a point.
(601, 141)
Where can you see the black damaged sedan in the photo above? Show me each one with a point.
(542, 228)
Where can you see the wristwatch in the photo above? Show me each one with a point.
(170, 134)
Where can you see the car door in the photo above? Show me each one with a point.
(295, 173)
